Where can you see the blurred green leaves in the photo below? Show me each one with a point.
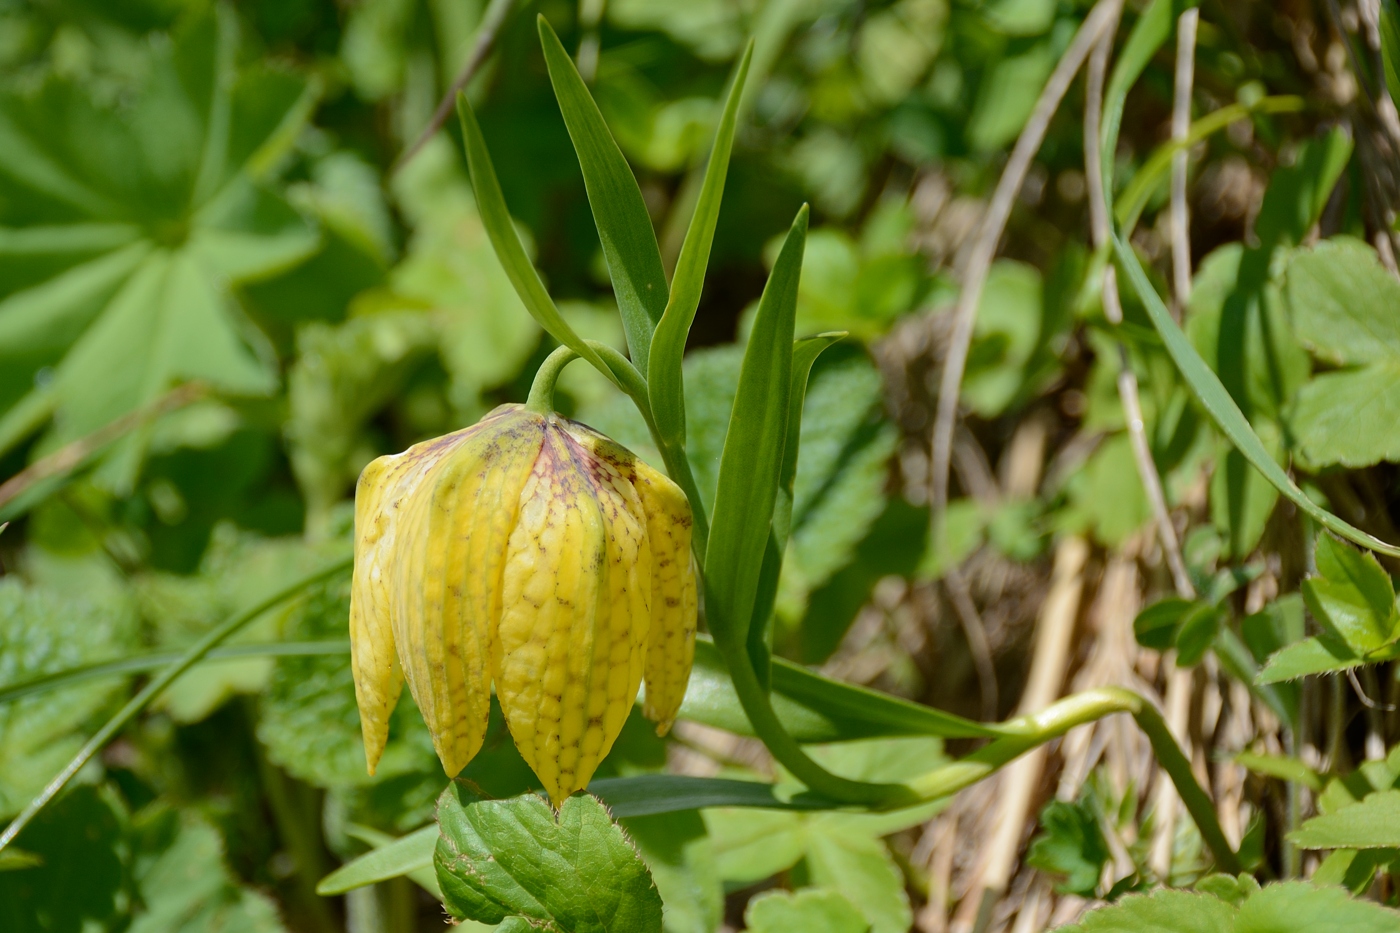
(127, 230)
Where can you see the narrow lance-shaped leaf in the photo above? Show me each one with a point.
(804, 354)
(664, 379)
(754, 444)
(624, 227)
(1211, 393)
(1148, 34)
(1151, 30)
(495, 217)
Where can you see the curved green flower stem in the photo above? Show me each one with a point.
(541, 399)
(1057, 719)
(626, 377)
(191, 656)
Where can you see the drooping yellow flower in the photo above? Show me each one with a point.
(531, 552)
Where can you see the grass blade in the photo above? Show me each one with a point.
(1223, 410)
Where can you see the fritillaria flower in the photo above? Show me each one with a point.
(529, 552)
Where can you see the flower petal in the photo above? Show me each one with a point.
(670, 650)
(573, 626)
(457, 521)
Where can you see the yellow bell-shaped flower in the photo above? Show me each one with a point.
(531, 552)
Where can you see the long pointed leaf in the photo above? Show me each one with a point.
(752, 461)
(1212, 395)
(804, 354)
(1150, 32)
(495, 217)
(664, 379)
(624, 227)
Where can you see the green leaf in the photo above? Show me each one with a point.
(403, 856)
(238, 570)
(842, 851)
(1353, 869)
(1341, 300)
(1390, 46)
(184, 885)
(652, 794)
(1350, 417)
(665, 380)
(1223, 409)
(624, 227)
(1298, 905)
(811, 910)
(1197, 633)
(81, 875)
(1297, 193)
(144, 217)
(1071, 845)
(804, 354)
(753, 450)
(43, 631)
(1310, 656)
(1276, 908)
(860, 867)
(491, 204)
(1352, 597)
(677, 851)
(1282, 767)
(498, 859)
(1241, 500)
(1156, 626)
(1163, 911)
(1374, 823)
(307, 718)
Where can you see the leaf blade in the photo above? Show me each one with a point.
(491, 203)
(664, 378)
(624, 227)
(751, 463)
(1223, 409)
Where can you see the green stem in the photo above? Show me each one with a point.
(1057, 719)
(157, 685)
(672, 455)
(541, 400)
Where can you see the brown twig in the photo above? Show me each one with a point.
(486, 33)
(989, 236)
(72, 455)
(976, 634)
(1181, 126)
(1049, 661)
